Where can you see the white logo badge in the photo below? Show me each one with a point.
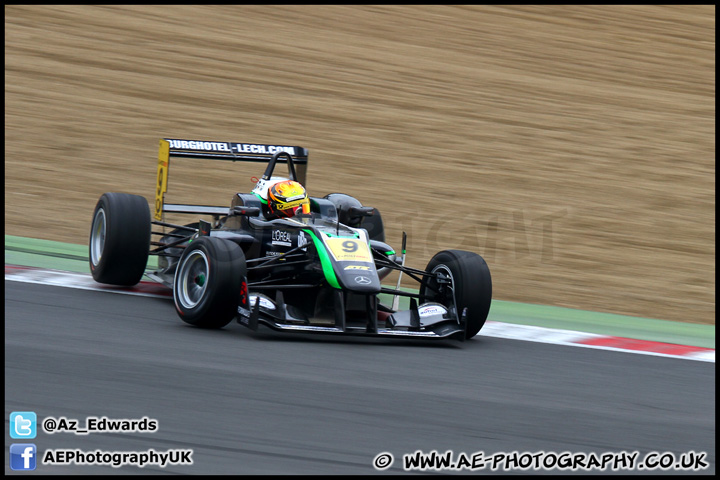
(302, 239)
(281, 238)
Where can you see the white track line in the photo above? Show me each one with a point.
(490, 329)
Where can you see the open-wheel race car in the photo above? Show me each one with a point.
(280, 258)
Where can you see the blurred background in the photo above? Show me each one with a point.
(573, 147)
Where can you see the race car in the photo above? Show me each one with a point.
(319, 270)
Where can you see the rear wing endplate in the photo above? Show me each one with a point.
(234, 152)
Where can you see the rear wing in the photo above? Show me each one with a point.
(234, 152)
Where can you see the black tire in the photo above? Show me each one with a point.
(471, 282)
(119, 239)
(206, 288)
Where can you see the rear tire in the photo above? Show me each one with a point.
(119, 239)
(207, 282)
(470, 281)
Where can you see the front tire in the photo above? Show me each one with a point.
(468, 285)
(119, 239)
(207, 282)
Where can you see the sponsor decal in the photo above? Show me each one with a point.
(294, 204)
(357, 267)
(360, 280)
(229, 147)
(280, 237)
(429, 310)
(302, 239)
(195, 145)
(266, 149)
(264, 302)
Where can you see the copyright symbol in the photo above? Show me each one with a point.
(383, 461)
(49, 425)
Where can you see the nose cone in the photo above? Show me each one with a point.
(365, 282)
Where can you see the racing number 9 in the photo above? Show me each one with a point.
(345, 249)
(349, 246)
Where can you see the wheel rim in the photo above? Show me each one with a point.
(446, 292)
(97, 240)
(192, 279)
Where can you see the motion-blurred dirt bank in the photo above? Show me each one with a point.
(572, 146)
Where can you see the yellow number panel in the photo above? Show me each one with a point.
(348, 249)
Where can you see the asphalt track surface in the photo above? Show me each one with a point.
(268, 403)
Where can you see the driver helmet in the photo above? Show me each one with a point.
(286, 198)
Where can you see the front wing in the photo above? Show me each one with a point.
(427, 321)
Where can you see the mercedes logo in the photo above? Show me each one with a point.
(362, 280)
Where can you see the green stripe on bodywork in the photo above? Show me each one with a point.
(325, 261)
(262, 200)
